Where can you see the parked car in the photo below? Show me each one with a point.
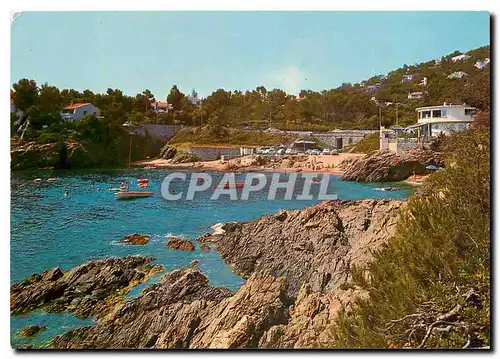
(315, 152)
(334, 152)
(290, 151)
(326, 151)
(281, 151)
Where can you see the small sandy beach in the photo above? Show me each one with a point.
(306, 163)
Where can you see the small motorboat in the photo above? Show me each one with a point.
(142, 180)
(236, 185)
(52, 179)
(133, 194)
(114, 189)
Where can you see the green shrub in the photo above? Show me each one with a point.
(441, 251)
(368, 144)
(50, 137)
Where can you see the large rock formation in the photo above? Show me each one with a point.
(297, 264)
(386, 166)
(168, 312)
(315, 245)
(89, 289)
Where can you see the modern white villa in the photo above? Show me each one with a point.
(77, 111)
(434, 120)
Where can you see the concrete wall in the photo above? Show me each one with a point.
(213, 153)
(348, 137)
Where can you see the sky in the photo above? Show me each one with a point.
(134, 51)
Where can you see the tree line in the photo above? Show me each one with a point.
(349, 106)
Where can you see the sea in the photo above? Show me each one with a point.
(49, 229)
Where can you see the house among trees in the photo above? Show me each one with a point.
(458, 75)
(161, 106)
(481, 65)
(461, 57)
(373, 88)
(408, 78)
(415, 95)
(77, 111)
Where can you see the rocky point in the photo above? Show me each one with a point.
(297, 267)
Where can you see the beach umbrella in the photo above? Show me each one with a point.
(432, 168)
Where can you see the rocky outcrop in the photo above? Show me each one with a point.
(166, 315)
(184, 311)
(297, 268)
(386, 166)
(316, 245)
(208, 238)
(89, 289)
(31, 330)
(181, 244)
(136, 238)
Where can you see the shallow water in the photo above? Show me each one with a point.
(50, 230)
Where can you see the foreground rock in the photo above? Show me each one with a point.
(135, 238)
(181, 244)
(183, 311)
(168, 312)
(297, 264)
(386, 166)
(316, 245)
(31, 330)
(85, 290)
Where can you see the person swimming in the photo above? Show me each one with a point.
(66, 193)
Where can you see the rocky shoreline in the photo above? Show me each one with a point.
(297, 268)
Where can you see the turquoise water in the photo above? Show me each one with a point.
(48, 229)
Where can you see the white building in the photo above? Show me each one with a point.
(434, 120)
(458, 75)
(423, 82)
(461, 57)
(77, 111)
(407, 78)
(415, 95)
(482, 64)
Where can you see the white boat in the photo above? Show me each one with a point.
(133, 194)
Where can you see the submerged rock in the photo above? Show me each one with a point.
(31, 330)
(136, 238)
(180, 243)
(89, 289)
(386, 166)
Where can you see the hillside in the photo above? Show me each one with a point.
(350, 106)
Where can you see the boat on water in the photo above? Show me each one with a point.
(133, 194)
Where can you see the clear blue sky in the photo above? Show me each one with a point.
(133, 51)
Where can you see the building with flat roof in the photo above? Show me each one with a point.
(447, 118)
